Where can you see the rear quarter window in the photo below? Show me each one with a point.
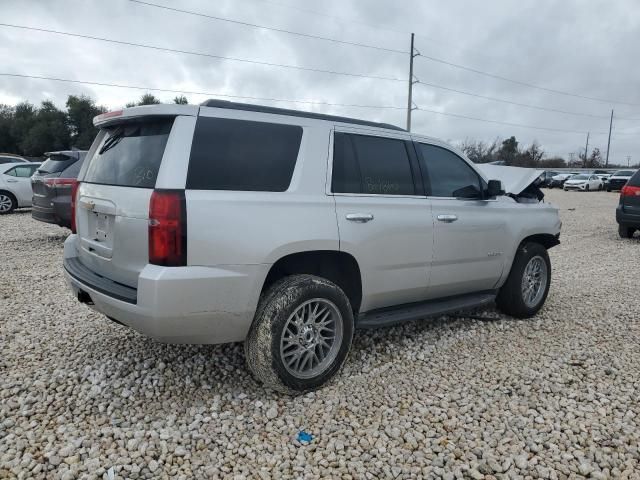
(129, 154)
(635, 180)
(242, 155)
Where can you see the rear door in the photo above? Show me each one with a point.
(384, 219)
(631, 202)
(120, 173)
(470, 237)
(18, 180)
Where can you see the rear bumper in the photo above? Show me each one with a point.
(204, 305)
(54, 211)
(625, 218)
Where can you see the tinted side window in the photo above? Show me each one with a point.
(242, 155)
(372, 165)
(635, 180)
(448, 173)
(346, 172)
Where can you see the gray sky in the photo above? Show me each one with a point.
(589, 48)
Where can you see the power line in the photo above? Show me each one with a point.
(495, 99)
(203, 54)
(279, 30)
(519, 82)
(535, 127)
(188, 92)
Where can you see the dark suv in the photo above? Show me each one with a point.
(628, 211)
(52, 184)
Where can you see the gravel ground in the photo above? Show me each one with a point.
(551, 397)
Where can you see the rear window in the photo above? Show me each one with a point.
(56, 164)
(72, 170)
(242, 155)
(623, 173)
(129, 154)
(635, 180)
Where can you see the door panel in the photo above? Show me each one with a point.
(393, 249)
(470, 241)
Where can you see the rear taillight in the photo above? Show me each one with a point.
(630, 191)
(74, 202)
(55, 182)
(168, 228)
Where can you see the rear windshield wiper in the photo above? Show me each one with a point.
(112, 141)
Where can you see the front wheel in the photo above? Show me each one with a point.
(301, 334)
(587, 188)
(527, 286)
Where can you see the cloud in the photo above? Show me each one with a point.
(589, 49)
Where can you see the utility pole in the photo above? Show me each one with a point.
(609, 141)
(628, 160)
(410, 108)
(586, 147)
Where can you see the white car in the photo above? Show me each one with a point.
(583, 182)
(229, 222)
(15, 185)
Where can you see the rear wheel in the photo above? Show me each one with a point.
(8, 203)
(301, 334)
(626, 231)
(527, 286)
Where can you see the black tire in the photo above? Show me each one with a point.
(277, 305)
(510, 299)
(12, 202)
(587, 188)
(625, 231)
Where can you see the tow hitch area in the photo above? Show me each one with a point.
(83, 297)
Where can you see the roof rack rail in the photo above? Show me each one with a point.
(294, 113)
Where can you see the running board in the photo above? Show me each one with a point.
(416, 311)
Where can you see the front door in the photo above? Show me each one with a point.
(384, 219)
(470, 233)
(19, 180)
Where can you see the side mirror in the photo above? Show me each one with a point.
(494, 188)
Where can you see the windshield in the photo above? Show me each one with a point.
(579, 177)
(129, 154)
(56, 164)
(623, 173)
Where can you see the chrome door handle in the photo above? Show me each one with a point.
(447, 218)
(359, 217)
(12, 181)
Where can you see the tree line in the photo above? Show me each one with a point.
(29, 130)
(511, 153)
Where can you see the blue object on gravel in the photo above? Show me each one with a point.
(304, 437)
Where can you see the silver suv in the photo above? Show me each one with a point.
(287, 230)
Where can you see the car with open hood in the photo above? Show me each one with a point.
(286, 230)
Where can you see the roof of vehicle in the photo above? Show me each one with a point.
(77, 154)
(13, 155)
(294, 113)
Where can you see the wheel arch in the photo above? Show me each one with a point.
(547, 240)
(338, 267)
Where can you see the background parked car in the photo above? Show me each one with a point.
(628, 211)
(558, 180)
(52, 184)
(583, 182)
(619, 179)
(11, 158)
(15, 185)
(546, 178)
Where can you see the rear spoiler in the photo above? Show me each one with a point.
(168, 110)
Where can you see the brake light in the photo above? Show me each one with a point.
(55, 182)
(630, 191)
(74, 203)
(168, 228)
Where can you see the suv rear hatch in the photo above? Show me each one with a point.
(112, 202)
(630, 196)
(53, 166)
